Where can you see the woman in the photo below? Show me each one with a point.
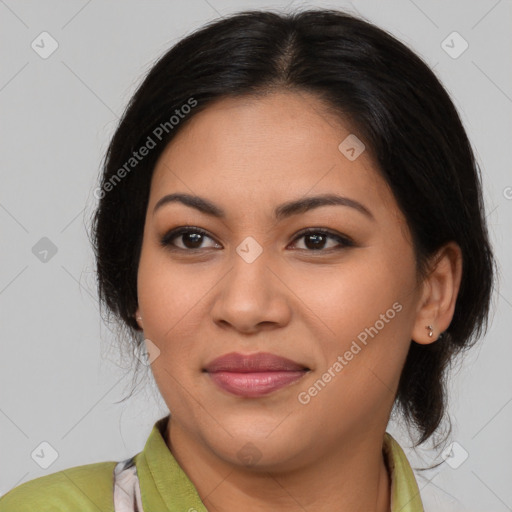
(291, 223)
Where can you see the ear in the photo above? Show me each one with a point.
(138, 318)
(440, 290)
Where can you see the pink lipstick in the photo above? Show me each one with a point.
(253, 375)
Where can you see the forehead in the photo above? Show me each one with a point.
(264, 147)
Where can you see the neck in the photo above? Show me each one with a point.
(354, 477)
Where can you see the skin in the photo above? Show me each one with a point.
(249, 155)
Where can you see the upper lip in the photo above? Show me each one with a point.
(248, 363)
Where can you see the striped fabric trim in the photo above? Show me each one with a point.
(126, 487)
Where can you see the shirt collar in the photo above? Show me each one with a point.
(405, 495)
(165, 486)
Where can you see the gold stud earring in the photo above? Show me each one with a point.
(431, 329)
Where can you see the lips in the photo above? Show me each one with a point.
(260, 362)
(253, 375)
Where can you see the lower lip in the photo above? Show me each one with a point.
(254, 384)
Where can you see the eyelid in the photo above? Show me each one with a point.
(344, 240)
(165, 240)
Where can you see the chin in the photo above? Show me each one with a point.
(257, 444)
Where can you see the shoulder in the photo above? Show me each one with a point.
(85, 488)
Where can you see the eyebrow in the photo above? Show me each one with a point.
(282, 211)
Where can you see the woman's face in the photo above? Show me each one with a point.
(249, 281)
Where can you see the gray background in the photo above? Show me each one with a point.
(61, 372)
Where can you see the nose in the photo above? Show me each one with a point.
(252, 296)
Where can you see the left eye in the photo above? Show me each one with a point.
(315, 239)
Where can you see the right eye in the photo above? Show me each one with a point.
(191, 239)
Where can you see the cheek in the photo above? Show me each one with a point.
(169, 297)
(170, 301)
(362, 310)
(347, 298)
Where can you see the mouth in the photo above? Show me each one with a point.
(254, 375)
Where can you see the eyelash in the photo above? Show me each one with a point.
(166, 240)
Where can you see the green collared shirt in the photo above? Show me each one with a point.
(163, 485)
